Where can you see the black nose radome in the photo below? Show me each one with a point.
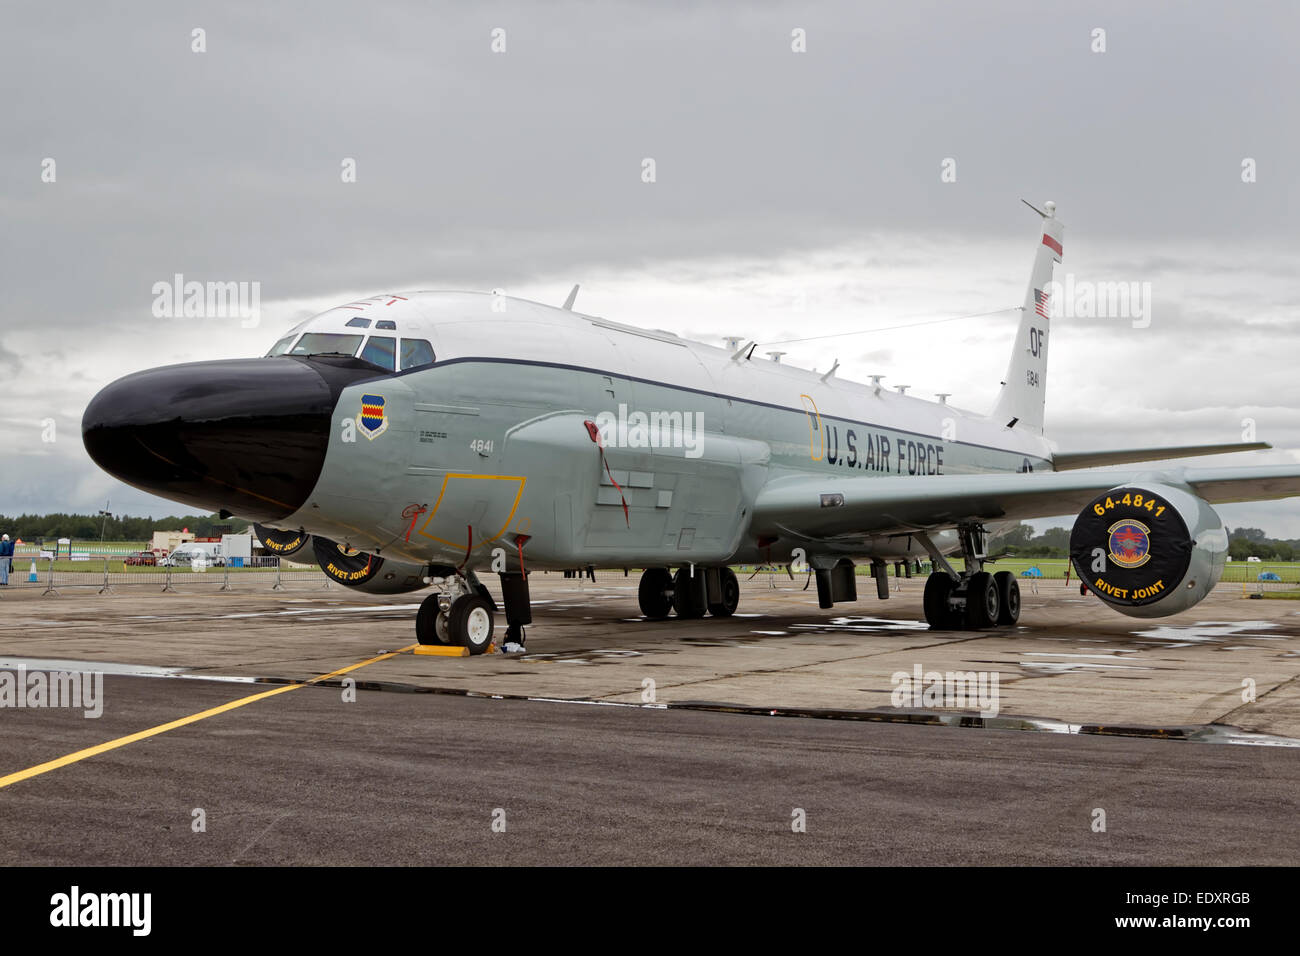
(247, 436)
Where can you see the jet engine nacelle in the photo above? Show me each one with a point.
(281, 543)
(1149, 551)
(366, 572)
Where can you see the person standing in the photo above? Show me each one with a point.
(6, 558)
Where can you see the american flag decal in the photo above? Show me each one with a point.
(1040, 303)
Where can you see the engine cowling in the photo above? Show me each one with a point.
(281, 543)
(1149, 551)
(366, 572)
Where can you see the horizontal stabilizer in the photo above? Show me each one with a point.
(1068, 461)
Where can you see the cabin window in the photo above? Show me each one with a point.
(415, 353)
(327, 343)
(282, 346)
(358, 323)
(380, 350)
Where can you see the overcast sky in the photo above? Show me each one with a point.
(795, 193)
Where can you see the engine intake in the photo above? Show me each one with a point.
(281, 543)
(1149, 551)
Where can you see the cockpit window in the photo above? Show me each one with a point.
(380, 350)
(282, 346)
(358, 323)
(416, 352)
(327, 343)
(388, 324)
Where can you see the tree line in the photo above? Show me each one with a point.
(113, 528)
(1243, 543)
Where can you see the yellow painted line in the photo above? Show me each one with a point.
(173, 725)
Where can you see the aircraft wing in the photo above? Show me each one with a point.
(1069, 460)
(830, 507)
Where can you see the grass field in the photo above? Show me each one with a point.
(1236, 572)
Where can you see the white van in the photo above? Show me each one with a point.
(194, 555)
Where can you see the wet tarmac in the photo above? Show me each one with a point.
(782, 691)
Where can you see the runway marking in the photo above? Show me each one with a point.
(80, 755)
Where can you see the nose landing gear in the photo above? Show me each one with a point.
(458, 614)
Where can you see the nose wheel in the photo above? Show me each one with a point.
(466, 621)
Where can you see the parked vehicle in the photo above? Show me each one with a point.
(143, 558)
(190, 556)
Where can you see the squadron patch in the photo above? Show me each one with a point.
(1131, 547)
(373, 420)
(1130, 543)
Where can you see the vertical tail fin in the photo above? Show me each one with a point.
(1020, 403)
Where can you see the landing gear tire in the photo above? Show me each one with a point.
(982, 602)
(1008, 598)
(482, 591)
(431, 623)
(469, 622)
(655, 593)
(938, 587)
(688, 601)
(730, 595)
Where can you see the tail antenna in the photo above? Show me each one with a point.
(1049, 206)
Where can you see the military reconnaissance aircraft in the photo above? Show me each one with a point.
(422, 439)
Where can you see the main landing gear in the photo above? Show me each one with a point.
(973, 599)
(691, 592)
(462, 610)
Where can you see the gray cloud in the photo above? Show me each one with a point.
(10, 362)
(778, 173)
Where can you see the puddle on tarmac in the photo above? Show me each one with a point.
(1218, 734)
(596, 656)
(112, 669)
(104, 667)
(295, 612)
(1206, 632)
(1068, 667)
(863, 625)
(1066, 654)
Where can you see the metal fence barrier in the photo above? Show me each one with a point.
(106, 575)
